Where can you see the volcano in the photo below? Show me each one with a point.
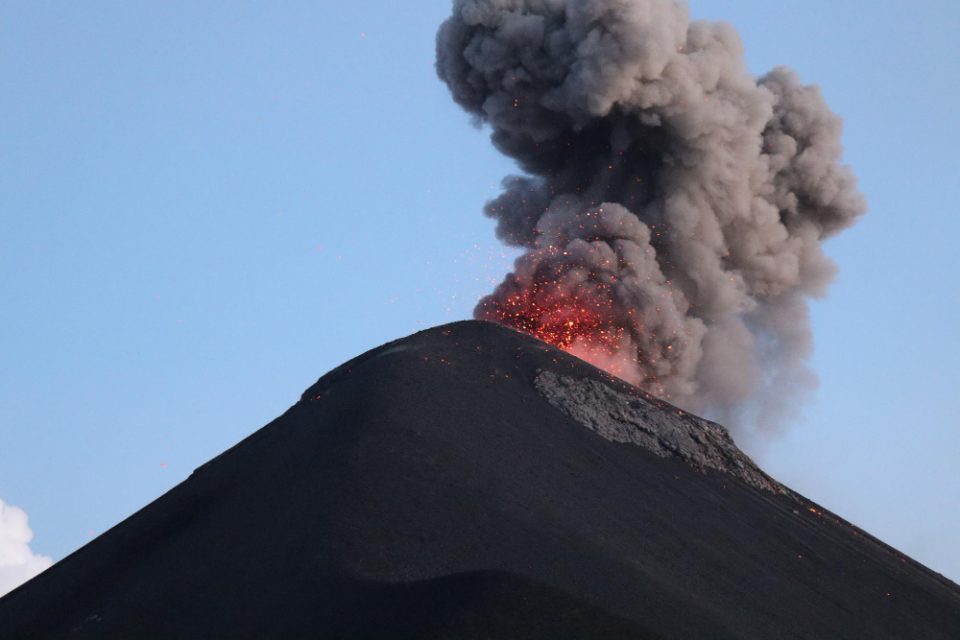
(470, 482)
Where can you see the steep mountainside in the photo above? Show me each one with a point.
(472, 482)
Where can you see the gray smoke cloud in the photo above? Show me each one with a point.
(672, 207)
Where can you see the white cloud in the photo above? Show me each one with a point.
(18, 563)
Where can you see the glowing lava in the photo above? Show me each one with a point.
(581, 325)
(558, 321)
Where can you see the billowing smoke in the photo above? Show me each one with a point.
(17, 562)
(672, 207)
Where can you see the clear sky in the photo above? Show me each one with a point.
(206, 206)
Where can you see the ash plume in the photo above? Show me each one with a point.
(672, 206)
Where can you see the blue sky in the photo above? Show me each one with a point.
(206, 206)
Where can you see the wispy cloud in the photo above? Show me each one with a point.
(18, 563)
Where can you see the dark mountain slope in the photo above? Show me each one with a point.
(471, 482)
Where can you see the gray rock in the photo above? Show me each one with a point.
(660, 428)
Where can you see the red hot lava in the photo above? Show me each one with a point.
(582, 325)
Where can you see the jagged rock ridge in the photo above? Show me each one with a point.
(635, 417)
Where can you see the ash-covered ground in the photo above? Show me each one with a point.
(472, 482)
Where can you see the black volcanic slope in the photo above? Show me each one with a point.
(471, 482)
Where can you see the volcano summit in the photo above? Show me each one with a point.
(472, 482)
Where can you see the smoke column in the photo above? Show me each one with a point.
(672, 207)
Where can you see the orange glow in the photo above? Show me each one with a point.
(559, 320)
